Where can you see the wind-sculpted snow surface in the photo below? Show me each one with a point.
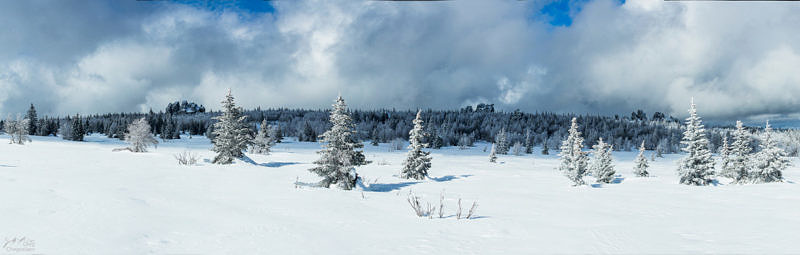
(82, 198)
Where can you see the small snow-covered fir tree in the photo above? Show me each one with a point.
(262, 142)
(770, 161)
(602, 163)
(418, 161)
(640, 165)
(517, 149)
(139, 136)
(697, 168)
(501, 140)
(493, 154)
(739, 157)
(339, 157)
(573, 159)
(231, 132)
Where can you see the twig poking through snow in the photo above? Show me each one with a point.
(472, 210)
(458, 213)
(441, 205)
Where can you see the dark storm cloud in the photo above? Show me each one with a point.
(71, 57)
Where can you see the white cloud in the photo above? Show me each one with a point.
(737, 59)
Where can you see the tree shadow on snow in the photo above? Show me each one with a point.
(617, 180)
(387, 187)
(7, 166)
(247, 159)
(449, 177)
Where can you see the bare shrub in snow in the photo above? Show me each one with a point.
(17, 130)
(139, 136)
(186, 158)
(416, 205)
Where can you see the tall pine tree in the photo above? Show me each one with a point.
(573, 159)
(418, 161)
(231, 132)
(697, 168)
(739, 158)
(339, 157)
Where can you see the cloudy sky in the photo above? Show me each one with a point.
(737, 59)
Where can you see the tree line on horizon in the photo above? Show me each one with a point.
(462, 127)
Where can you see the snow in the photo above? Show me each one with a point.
(82, 198)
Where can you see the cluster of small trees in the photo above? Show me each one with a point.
(738, 163)
(696, 168)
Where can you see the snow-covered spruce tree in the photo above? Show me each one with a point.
(493, 154)
(602, 163)
(739, 158)
(339, 157)
(32, 120)
(231, 132)
(573, 159)
(501, 140)
(262, 142)
(640, 165)
(418, 161)
(770, 161)
(545, 150)
(139, 136)
(697, 168)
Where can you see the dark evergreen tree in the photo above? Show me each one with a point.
(33, 121)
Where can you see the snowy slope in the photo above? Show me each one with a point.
(82, 198)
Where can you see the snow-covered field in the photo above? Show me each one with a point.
(82, 198)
